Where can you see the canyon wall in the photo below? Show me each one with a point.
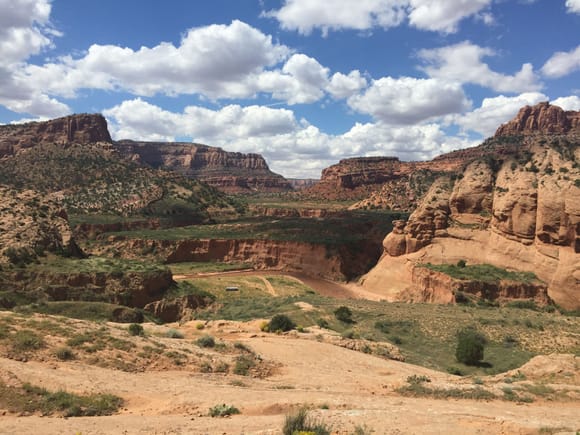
(230, 172)
(518, 210)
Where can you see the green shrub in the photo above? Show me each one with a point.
(136, 330)
(343, 314)
(470, 346)
(206, 341)
(322, 323)
(281, 322)
(243, 365)
(300, 422)
(64, 353)
(461, 263)
(174, 333)
(223, 410)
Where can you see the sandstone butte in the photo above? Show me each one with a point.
(230, 172)
(518, 208)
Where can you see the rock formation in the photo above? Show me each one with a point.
(227, 171)
(83, 128)
(542, 118)
(518, 209)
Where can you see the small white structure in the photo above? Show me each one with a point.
(232, 289)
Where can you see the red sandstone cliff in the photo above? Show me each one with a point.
(517, 210)
(230, 172)
(83, 128)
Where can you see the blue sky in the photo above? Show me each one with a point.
(303, 82)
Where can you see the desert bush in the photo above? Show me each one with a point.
(243, 364)
(470, 346)
(136, 330)
(174, 333)
(281, 322)
(223, 410)
(64, 353)
(343, 314)
(205, 341)
(322, 323)
(300, 422)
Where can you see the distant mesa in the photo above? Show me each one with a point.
(230, 172)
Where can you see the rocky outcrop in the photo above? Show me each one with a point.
(83, 128)
(133, 289)
(173, 310)
(230, 172)
(517, 209)
(429, 220)
(32, 224)
(542, 118)
(437, 287)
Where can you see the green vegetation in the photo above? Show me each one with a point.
(343, 314)
(94, 311)
(341, 229)
(281, 323)
(481, 272)
(470, 347)
(301, 423)
(223, 410)
(58, 265)
(32, 399)
(206, 267)
(205, 341)
(136, 330)
(64, 353)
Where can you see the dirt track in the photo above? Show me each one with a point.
(323, 286)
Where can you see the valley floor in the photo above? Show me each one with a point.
(345, 389)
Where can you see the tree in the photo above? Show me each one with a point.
(343, 314)
(470, 346)
(281, 322)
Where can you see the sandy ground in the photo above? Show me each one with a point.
(345, 389)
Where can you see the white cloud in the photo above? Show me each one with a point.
(408, 100)
(24, 29)
(435, 15)
(495, 111)
(562, 63)
(445, 15)
(306, 15)
(573, 6)
(462, 62)
(293, 148)
(217, 61)
(568, 103)
(345, 86)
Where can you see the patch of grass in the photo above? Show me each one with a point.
(281, 323)
(481, 272)
(32, 399)
(25, 340)
(223, 410)
(94, 311)
(206, 267)
(301, 423)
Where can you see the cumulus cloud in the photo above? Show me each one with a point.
(436, 15)
(573, 6)
(294, 148)
(408, 100)
(217, 61)
(462, 62)
(495, 111)
(445, 15)
(568, 103)
(25, 29)
(345, 86)
(562, 63)
(305, 15)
